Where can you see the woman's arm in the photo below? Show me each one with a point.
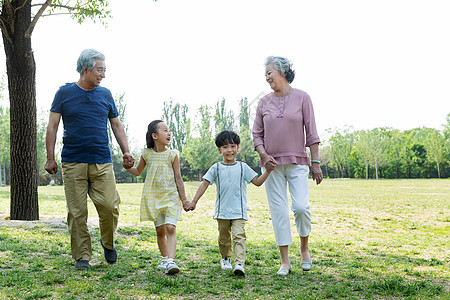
(316, 172)
(258, 140)
(268, 161)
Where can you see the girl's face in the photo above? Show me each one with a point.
(162, 136)
(274, 77)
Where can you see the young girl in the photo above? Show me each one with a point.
(162, 192)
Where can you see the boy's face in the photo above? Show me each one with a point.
(229, 152)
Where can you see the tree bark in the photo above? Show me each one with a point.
(21, 69)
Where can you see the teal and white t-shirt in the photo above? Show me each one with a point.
(231, 185)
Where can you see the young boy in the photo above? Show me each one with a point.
(231, 178)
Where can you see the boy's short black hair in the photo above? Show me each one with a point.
(227, 137)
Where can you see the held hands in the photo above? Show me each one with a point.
(188, 205)
(269, 162)
(128, 160)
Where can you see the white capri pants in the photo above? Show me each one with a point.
(297, 178)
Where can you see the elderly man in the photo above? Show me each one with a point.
(87, 168)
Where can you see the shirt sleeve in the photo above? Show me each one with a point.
(211, 174)
(57, 102)
(173, 154)
(258, 126)
(113, 113)
(249, 173)
(309, 122)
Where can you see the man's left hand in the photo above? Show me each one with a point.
(128, 160)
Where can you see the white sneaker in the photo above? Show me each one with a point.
(225, 264)
(162, 266)
(172, 268)
(239, 270)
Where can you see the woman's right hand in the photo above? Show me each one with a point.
(269, 162)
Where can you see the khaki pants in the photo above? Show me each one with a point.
(97, 181)
(229, 229)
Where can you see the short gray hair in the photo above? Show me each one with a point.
(283, 65)
(87, 59)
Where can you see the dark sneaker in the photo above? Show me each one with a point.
(82, 264)
(110, 255)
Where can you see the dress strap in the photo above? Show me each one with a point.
(218, 190)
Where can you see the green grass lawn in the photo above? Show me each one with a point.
(385, 239)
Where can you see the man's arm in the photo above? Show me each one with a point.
(137, 171)
(121, 137)
(50, 140)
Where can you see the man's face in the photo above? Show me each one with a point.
(95, 76)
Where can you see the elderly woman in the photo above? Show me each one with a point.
(284, 126)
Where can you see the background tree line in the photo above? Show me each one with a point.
(387, 153)
(375, 153)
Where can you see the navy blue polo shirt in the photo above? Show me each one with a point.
(85, 117)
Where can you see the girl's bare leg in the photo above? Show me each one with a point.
(161, 239)
(171, 237)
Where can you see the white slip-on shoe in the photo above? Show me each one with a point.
(225, 264)
(284, 272)
(306, 265)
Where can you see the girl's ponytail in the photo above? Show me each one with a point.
(152, 128)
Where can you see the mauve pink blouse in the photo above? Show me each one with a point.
(286, 126)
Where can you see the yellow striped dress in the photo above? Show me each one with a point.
(160, 194)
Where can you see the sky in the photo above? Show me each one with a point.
(365, 64)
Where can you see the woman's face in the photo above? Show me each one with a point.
(274, 77)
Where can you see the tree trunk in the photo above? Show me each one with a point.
(439, 173)
(21, 70)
